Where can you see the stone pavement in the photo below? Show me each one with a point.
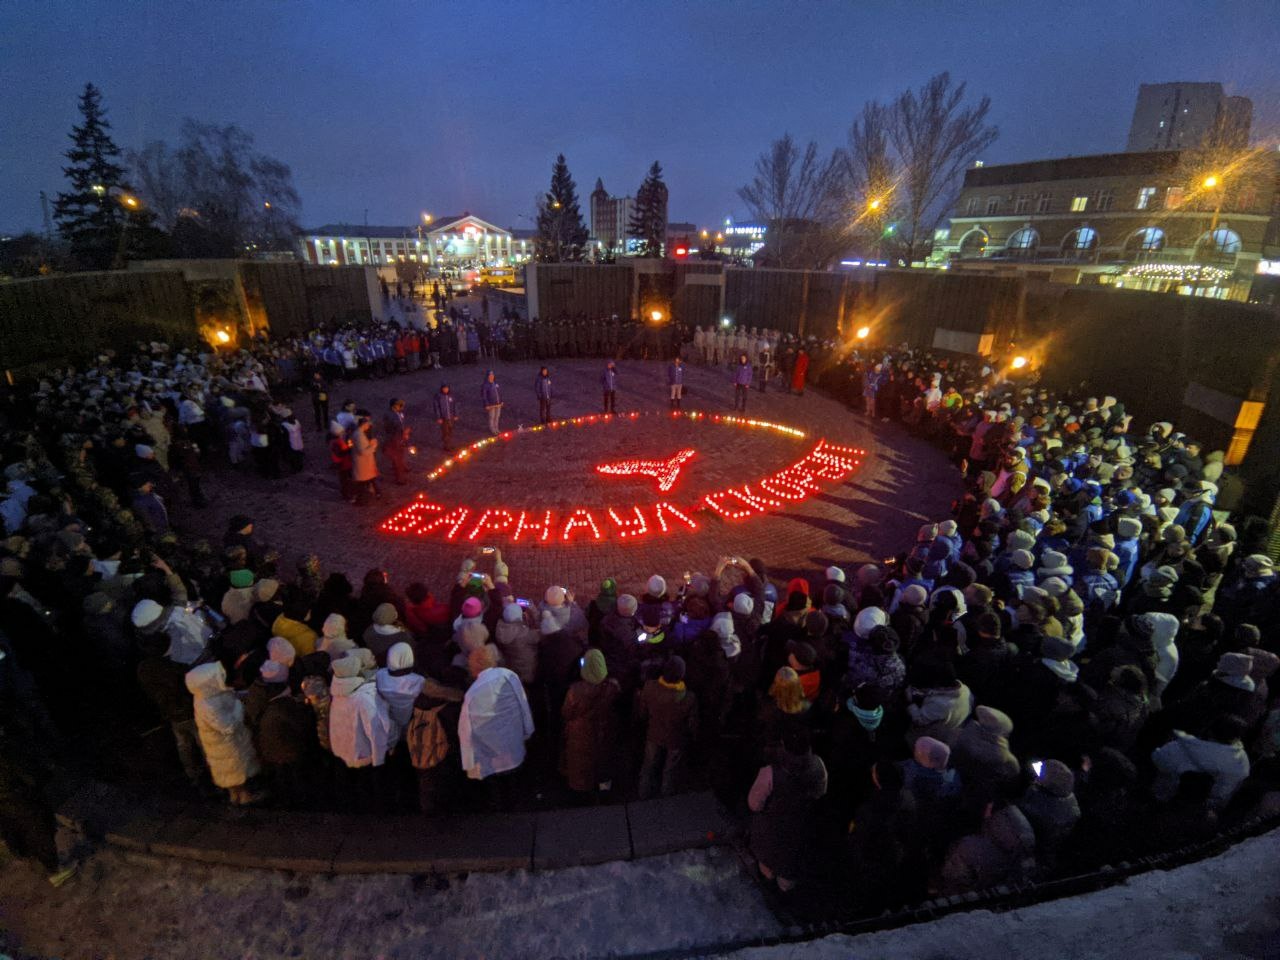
(901, 482)
(334, 843)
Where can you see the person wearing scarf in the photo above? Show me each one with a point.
(670, 713)
(399, 686)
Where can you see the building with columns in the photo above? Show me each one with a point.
(446, 245)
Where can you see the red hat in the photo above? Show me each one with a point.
(798, 585)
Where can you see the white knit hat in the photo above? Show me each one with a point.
(146, 613)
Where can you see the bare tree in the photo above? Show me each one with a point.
(159, 179)
(794, 194)
(935, 137)
(870, 175)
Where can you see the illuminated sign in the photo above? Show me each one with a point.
(1269, 267)
(823, 465)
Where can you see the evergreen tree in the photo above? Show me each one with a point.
(649, 214)
(561, 233)
(94, 212)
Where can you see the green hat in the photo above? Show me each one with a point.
(593, 667)
(242, 578)
(608, 587)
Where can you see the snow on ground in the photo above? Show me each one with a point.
(125, 906)
(1224, 908)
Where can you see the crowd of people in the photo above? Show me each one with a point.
(1070, 669)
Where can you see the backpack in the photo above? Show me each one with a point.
(426, 737)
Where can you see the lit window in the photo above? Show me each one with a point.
(1044, 202)
(1144, 197)
(1022, 242)
(993, 206)
(1224, 242)
(1161, 124)
(1173, 197)
(1079, 203)
(1081, 240)
(1146, 240)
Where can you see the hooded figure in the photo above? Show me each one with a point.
(495, 721)
(590, 723)
(226, 741)
(360, 726)
(187, 630)
(399, 686)
(518, 643)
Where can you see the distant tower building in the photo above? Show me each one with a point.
(609, 218)
(1188, 116)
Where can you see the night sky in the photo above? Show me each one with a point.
(401, 108)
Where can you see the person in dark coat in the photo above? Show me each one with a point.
(782, 801)
(708, 676)
(285, 735)
(1050, 807)
(164, 683)
(885, 860)
(669, 711)
(589, 713)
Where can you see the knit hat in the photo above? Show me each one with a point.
(265, 589)
(281, 650)
(346, 667)
(1022, 559)
(273, 671)
(867, 620)
(947, 528)
(1162, 577)
(512, 613)
(608, 587)
(798, 585)
(1051, 562)
(146, 615)
(594, 670)
(673, 672)
(931, 754)
(555, 596)
(1099, 558)
(472, 607)
(627, 605)
(815, 623)
(241, 578)
(743, 604)
(836, 574)
(367, 658)
(472, 636)
(804, 654)
(1233, 665)
(1054, 586)
(656, 586)
(384, 614)
(467, 565)
(335, 625)
(914, 595)
(1056, 648)
(1019, 540)
(997, 721)
(928, 531)
(1056, 779)
(1257, 565)
(400, 656)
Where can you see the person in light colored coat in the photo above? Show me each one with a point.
(495, 721)
(364, 463)
(399, 686)
(224, 738)
(360, 727)
(1220, 755)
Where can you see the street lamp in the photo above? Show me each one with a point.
(656, 316)
(874, 204)
(1212, 182)
(863, 333)
(1019, 362)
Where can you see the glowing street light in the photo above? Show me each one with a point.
(704, 234)
(656, 316)
(427, 218)
(129, 201)
(1211, 181)
(863, 333)
(223, 336)
(1019, 362)
(874, 204)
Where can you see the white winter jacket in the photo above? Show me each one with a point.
(494, 725)
(360, 726)
(226, 741)
(1226, 763)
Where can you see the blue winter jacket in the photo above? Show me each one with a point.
(490, 394)
(675, 375)
(742, 375)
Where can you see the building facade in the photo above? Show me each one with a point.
(1161, 220)
(1188, 116)
(445, 246)
(610, 220)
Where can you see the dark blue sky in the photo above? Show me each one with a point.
(403, 107)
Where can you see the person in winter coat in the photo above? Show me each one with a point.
(1219, 754)
(675, 381)
(542, 390)
(609, 387)
(491, 400)
(782, 800)
(1128, 548)
(364, 464)
(292, 625)
(188, 632)
(1229, 690)
(423, 613)
(285, 736)
(385, 632)
(1002, 852)
(1122, 709)
(589, 733)
(1050, 807)
(559, 613)
(495, 721)
(518, 642)
(224, 738)
(937, 702)
(238, 600)
(163, 681)
(742, 377)
(982, 758)
(360, 727)
(669, 711)
(399, 686)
